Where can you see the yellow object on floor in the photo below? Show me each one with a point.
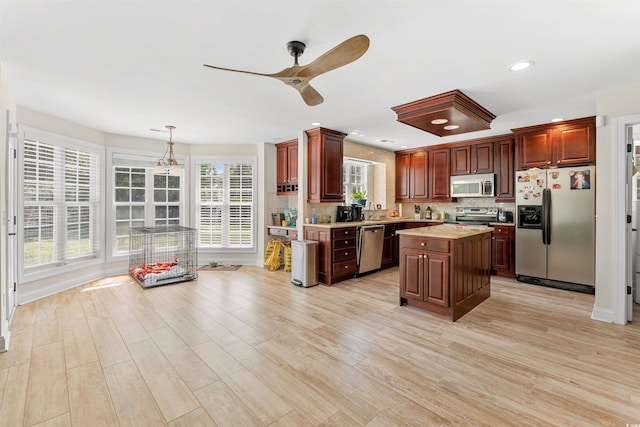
(287, 255)
(272, 254)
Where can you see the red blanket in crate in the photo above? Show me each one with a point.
(141, 271)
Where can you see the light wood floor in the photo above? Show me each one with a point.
(247, 348)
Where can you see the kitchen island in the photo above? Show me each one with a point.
(445, 269)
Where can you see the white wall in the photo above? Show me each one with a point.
(610, 103)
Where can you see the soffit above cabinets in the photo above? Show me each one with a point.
(440, 114)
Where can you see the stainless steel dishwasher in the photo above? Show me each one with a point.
(370, 242)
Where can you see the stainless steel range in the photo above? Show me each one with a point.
(474, 216)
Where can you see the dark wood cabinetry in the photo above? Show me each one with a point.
(476, 158)
(337, 252)
(503, 166)
(411, 176)
(439, 173)
(390, 246)
(324, 166)
(445, 276)
(503, 251)
(287, 167)
(568, 143)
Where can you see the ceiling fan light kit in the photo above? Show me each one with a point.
(168, 166)
(299, 76)
(449, 113)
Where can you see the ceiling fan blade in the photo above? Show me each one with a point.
(310, 95)
(343, 54)
(284, 73)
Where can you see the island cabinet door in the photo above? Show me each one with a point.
(436, 279)
(411, 274)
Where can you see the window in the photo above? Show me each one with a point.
(142, 198)
(355, 177)
(60, 201)
(225, 203)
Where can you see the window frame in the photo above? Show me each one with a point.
(196, 162)
(118, 157)
(61, 142)
(347, 185)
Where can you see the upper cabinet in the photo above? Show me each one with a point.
(503, 161)
(423, 174)
(324, 165)
(568, 143)
(475, 158)
(411, 176)
(287, 167)
(439, 173)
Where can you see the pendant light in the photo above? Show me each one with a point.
(168, 166)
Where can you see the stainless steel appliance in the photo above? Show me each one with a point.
(480, 185)
(555, 233)
(349, 213)
(304, 263)
(370, 242)
(474, 215)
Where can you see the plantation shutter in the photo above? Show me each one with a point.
(61, 202)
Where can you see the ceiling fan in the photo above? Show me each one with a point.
(299, 76)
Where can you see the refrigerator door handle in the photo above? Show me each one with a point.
(546, 216)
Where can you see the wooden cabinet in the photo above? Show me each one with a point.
(287, 167)
(389, 247)
(324, 166)
(503, 165)
(445, 276)
(568, 143)
(337, 252)
(411, 176)
(439, 173)
(503, 251)
(475, 158)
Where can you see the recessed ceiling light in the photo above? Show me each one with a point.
(403, 146)
(557, 119)
(439, 121)
(316, 123)
(388, 141)
(519, 66)
(451, 127)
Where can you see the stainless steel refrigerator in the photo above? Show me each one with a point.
(555, 226)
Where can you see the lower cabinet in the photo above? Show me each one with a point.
(445, 276)
(503, 251)
(337, 252)
(390, 246)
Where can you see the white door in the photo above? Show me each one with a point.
(630, 250)
(12, 228)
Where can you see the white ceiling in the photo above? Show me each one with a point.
(125, 67)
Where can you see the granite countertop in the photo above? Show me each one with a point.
(446, 231)
(394, 220)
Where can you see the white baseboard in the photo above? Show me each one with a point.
(54, 288)
(602, 314)
(4, 342)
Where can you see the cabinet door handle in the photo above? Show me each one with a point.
(346, 242)
(423, 244)
(346, 253)
(558, 162)
(549, 162)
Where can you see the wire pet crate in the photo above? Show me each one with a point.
(163, 255)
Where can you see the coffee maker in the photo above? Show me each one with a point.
(349, 213)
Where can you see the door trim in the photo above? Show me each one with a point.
(620, 236)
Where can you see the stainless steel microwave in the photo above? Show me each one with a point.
(481, 185)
